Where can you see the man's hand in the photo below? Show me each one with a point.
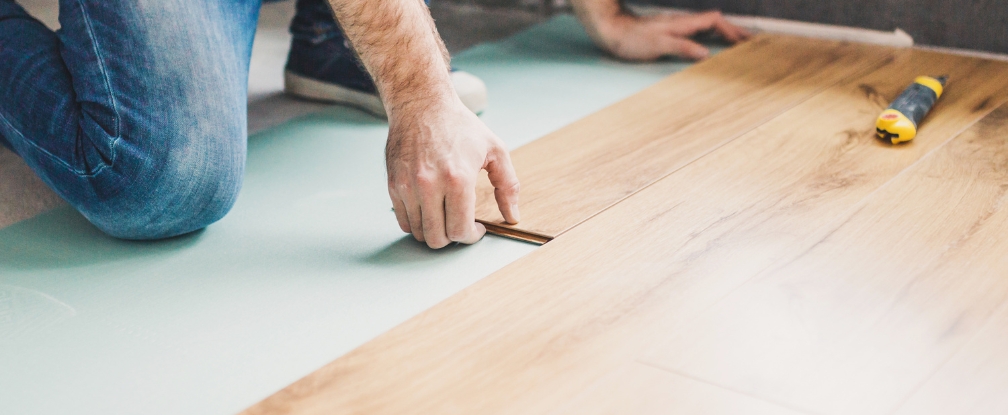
(436, 146)
(434, 157)
(644, 38)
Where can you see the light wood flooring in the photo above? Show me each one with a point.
(733, 240)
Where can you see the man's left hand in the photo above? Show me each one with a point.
(645, 38)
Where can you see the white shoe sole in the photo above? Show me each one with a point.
(472, 91)
(305, 87)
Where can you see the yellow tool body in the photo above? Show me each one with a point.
(899, 122)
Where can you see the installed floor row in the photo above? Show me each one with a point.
(731, 240)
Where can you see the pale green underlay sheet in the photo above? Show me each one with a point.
(309, 265)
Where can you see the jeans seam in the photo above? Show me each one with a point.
(52, 156)
(14, 17)
(108, 87)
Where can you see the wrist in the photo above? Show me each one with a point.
(418, 113)
(419, 100)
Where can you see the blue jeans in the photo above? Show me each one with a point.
(134, 112)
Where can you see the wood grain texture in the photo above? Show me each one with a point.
(576, 172)
(973, 382)
(512, 233)
(536, 335)
(643, 390)
(975, 379)
(876, 301)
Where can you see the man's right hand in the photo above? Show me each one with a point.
(436, 146)
(434, 155)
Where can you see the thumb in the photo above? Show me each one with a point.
(505, 182)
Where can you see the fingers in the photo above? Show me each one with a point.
(460, 216)
(434, 222)
(728, 30)
(685, 48)
(432, 181)
(414, 217)
(690, 25)
(416, 222)
(435, 218)
(407, 211)
(505, 182)
(430, 197)
(400, 210)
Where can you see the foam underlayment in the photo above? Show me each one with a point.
(309, 265)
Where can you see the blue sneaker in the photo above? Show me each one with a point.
(322, 66)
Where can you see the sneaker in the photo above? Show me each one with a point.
(329, 71)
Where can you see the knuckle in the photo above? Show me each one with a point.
(498, 145)
(425, 180)
(455, 177)
(504, 156)
(512, 187)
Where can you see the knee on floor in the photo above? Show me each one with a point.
(183, 188)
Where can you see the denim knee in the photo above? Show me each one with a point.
(181, 187)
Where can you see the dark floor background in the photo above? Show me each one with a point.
(967, 24)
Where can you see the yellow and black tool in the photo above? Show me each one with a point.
(898, 123)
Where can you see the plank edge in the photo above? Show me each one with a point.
(512, 233)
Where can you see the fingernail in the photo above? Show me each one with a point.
(514, 211)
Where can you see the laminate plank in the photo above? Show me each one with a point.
(576, 172)
(638, 389)
(879, 300)
(534, 335)
(973, 382)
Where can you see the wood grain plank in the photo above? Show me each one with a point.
(576, 172)
(879, 300)
(532, 336)
(973, 382)
(643, 390)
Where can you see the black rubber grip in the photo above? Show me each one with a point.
(916, 101)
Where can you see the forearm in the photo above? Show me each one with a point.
(397, 42)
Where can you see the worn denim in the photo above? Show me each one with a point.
(135, 111)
